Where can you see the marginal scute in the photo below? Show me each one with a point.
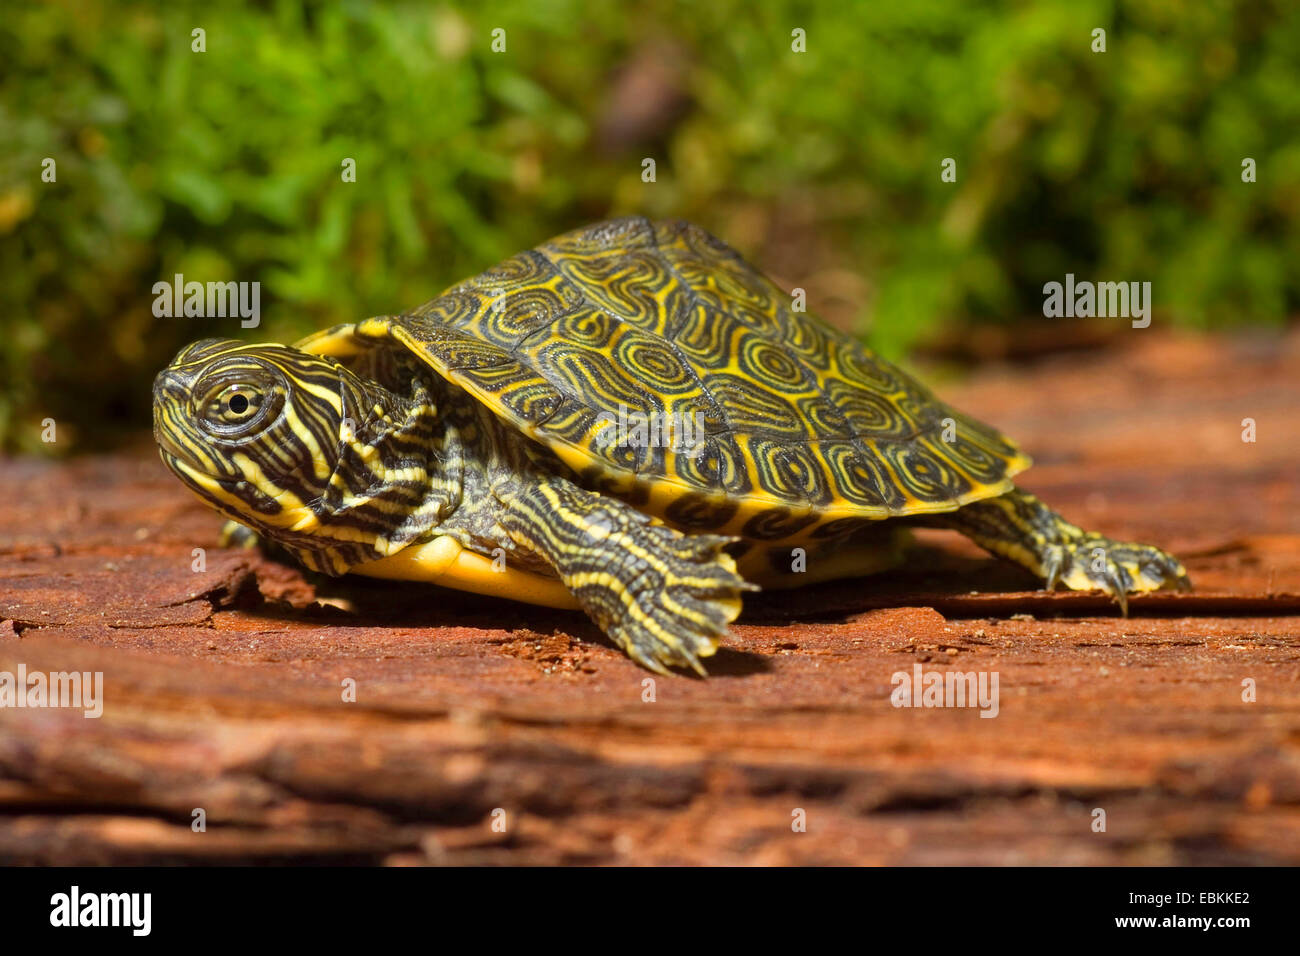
(696, 511)
(791, 471)
(777, 524)
(860, 478)
(629, 318)
(842, 528)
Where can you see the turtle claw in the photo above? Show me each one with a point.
(1086, 562)
(678, 613)
(651, 664)
(1121, 597)
(1053, 563)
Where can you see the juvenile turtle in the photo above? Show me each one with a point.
(628, 419)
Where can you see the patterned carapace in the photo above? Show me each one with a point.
(802, 423)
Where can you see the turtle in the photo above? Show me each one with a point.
(628, 419)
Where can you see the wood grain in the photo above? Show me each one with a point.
(224, 688)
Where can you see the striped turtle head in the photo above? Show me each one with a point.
(298, 448)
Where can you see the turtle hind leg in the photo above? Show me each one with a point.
(664, 597)
(1018, 526)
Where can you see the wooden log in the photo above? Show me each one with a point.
(488, 732)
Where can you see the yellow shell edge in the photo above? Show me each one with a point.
(444, 561)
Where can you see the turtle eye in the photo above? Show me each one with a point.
(235, 405)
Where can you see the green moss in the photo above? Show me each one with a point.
(226, 164)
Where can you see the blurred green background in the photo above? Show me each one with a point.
(823, 167)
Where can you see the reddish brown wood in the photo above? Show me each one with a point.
(223, 687)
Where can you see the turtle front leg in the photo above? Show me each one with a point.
(236, 535)
(664, 597)
(1020, 527)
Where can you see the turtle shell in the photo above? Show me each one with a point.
(631, 323)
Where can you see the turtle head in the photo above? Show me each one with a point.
(294, 445)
